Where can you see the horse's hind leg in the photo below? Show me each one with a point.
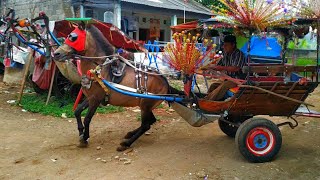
(77, 113)
(147, 119)
(86, 134)
(131, 133)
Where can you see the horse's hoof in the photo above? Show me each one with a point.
(125, 143)
(83, 143)
(122, 148)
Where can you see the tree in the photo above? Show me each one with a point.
(211, 3)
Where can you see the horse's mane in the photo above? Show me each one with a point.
(103, 44)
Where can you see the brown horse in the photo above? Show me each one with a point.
(89, 41)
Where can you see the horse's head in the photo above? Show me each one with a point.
(74, 44)
(84, 40)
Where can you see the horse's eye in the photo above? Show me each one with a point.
(73, 37)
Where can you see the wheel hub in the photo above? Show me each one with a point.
(260, 141)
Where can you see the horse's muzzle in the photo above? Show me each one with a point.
(57, 56)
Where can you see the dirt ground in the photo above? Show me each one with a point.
(43, 147)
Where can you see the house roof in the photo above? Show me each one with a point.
(190, 5)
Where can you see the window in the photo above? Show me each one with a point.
(134, 35)
(89, 13)
(144, 34)
(162, 34)
(108, 17)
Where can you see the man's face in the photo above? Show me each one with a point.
(229, 47)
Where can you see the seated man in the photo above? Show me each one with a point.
(232, 62)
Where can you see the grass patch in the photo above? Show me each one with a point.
(176, 86)
(160, 106)
(57, 106)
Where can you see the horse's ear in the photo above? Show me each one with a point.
(82, 25)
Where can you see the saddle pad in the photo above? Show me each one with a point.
(117, 71)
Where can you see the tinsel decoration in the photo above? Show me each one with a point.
(310, 9)
(255, 14)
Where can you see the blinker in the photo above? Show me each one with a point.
(77, 39)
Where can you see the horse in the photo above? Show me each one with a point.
(88, 41)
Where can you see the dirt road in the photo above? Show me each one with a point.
(42, 147)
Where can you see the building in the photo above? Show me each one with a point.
(55, 9)
(140, 19)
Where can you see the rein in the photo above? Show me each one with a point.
(126, 61)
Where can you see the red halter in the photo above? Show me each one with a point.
(77, 39)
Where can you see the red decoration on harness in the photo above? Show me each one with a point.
(77, 39)
(303, 81)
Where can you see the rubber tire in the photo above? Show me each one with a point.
(231, 130)
(1, 69)
(227, 129)
(35, 87)
(243, 131)
(61, 85)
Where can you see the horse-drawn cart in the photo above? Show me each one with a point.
(257, 138)
(269, 89)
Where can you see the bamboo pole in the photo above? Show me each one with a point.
(318, 47)
(51, 83)
(26, 71)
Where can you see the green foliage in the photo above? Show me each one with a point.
(304, 44)
(57, 106)
(176, 85)
(291, 45)
(303, 61)
(211, 3)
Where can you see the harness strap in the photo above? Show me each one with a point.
(98, 78)
(122, 59)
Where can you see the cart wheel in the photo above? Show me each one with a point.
(229, 129)
(1, 68)
(35, 87)
(61, 85)
(258, 140)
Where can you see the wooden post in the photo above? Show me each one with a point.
(26, 71)
(51, 84)
(318, 48)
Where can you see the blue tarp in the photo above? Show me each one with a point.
(263, 47)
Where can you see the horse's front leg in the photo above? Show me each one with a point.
(77, 113)
(93, 105)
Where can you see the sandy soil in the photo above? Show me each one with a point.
(42, 147)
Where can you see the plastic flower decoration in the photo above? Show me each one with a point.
(255, 14)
